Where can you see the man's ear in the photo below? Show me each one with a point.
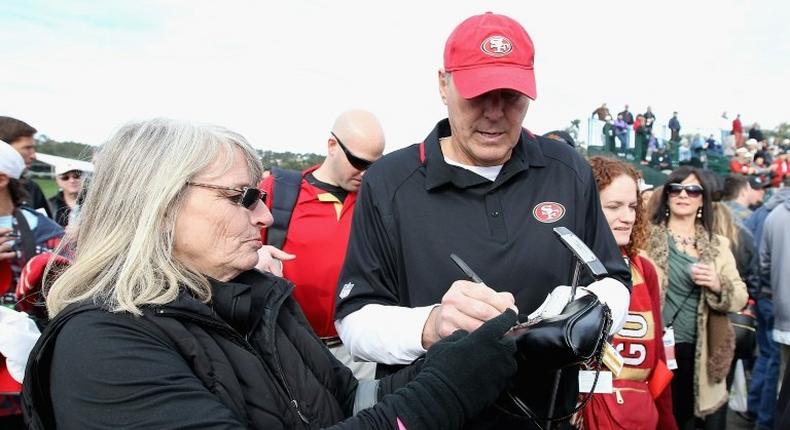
(331, 146)
(443, 78)
(4, 180)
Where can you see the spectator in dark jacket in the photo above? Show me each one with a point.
(660, 159)
(756, 133)
(608, 135)
(19, 135)
(674, 127)
(160, 321)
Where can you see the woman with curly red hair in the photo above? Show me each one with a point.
(641, 397)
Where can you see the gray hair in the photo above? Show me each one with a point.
(124, 239)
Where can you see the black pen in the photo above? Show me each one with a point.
(466, 269)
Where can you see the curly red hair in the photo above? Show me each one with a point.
(605, 170)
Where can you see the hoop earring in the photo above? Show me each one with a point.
(699, 213)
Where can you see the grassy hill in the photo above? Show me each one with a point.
(48, 186)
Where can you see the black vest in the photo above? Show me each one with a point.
(252, 348)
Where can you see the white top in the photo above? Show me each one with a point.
(384, 334)
(488, 172)
(781, 336)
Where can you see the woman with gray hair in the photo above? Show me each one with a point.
(162, 322)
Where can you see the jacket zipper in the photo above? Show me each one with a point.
(285, 382)
(242, 340)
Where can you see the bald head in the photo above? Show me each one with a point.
(361, 132)
(356, 137)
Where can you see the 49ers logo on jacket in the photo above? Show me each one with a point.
(548, 212)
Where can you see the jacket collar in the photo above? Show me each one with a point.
(527, 153)
(241, 301)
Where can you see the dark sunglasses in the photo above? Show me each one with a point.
(248, 197)
(356, 162)
(70, 175)
(692, 190)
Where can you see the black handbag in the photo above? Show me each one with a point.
(744, 323)
(571, 338)
(547, 346)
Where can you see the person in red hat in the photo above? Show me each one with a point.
(483, 187)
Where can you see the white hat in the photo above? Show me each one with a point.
(751, 142)
(11, 163)
(644, 186)
(68, 166)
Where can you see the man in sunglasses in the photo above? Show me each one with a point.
(484, 188)
(316, 235)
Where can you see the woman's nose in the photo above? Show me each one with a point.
(262, 216)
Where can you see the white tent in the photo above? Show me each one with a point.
(66, 163)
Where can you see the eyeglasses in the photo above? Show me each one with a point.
(356, 162)
(70, 175)
(248, 197)
(692, 190)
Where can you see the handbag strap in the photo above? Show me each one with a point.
(680, 306)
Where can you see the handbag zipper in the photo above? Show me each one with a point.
(241, 340)
(619, 396)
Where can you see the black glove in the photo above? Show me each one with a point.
(462, 375)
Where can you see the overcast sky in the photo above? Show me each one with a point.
(279, 72)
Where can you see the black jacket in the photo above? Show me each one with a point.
(747, 259)
(60, 209)
(35, 197)
(250, 360)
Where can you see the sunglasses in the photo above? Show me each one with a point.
(692, 190)
(70, 175)
(358, 163)
(248, 197)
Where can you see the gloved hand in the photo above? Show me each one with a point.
(18, 334)
(463, 374)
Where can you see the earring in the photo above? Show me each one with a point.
(699, 213)
(667, 213)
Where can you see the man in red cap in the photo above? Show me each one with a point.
(488, 190)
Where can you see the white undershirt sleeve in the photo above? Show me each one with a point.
(384, 334)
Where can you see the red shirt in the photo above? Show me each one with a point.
(780, 168)
(318, 235)
(736, 126)
(737, 167)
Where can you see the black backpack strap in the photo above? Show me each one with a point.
(284, 194)
(26, 238)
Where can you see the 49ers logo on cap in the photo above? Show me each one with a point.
(497, 46)
(548, 212)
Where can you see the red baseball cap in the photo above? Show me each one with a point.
(489, 52)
